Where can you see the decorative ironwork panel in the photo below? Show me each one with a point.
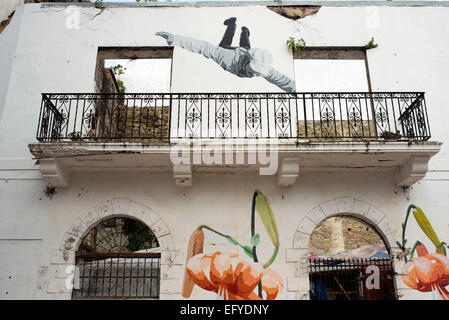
(283, 117)
(355, 114)
(253, 117)
(345, 279)
(193, 117)
(223, 117)
(327, 115)
(154, 117)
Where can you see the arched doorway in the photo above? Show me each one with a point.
(118, 258)
(349, 260)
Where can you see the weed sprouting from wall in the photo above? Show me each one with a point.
(50, 191)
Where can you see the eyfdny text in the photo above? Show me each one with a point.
(228, 309)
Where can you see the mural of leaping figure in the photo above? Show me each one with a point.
(243, 61)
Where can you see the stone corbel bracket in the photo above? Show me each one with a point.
(288, 172)
(183, 175)
(54, 172)
(413, 170)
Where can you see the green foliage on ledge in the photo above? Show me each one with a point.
(371, 44)
(296, 45)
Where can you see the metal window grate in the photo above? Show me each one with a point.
(119, 275)
(346, 279)
(116, 259)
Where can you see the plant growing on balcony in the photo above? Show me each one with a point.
(296, 45)
(371, 44)
(139, 236)
(75, 136)
(118, 71)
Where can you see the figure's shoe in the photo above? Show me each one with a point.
(245, 30)
(230, 21)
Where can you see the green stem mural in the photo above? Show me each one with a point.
(404, 227)
(253, 234)
(260, 205)
(429, 271)
(426, 227)
(412, 253)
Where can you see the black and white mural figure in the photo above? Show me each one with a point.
(243, 61)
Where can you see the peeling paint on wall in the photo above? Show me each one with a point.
(295, 12)
(5, 23)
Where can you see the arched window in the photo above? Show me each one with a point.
(348, 260)
(119, 258)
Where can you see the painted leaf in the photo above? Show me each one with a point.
(267, 217)
(255, 239)
(426, 227)
(248, 250)
(441, 249)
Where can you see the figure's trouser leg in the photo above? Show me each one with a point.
(244, 38)
(228, 36)
(224, 57)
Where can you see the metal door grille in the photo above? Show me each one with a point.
(117, 275)
(116, 259)
(346, 279)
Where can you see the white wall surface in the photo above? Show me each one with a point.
(19, 261)
(412, 56)
(8, 41)
(326, 75)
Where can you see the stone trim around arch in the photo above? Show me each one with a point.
(172, 260)
(298, 283)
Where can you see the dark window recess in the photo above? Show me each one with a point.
(349, 260)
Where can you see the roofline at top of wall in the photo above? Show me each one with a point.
(379, 3)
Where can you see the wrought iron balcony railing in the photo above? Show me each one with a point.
(169, 117)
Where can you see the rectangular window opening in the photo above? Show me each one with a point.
(133, 102)
(134, 70)
(337, 101)
(332, 69)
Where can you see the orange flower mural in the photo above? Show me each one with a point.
(233, 280)
(429, 271)
(227, 275)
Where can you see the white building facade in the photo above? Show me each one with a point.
(366, 155)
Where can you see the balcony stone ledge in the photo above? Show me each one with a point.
(58, 160)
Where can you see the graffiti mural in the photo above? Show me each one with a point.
(224, 272)
(429, 271)
(242, 61)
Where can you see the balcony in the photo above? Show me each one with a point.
(315, 131)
